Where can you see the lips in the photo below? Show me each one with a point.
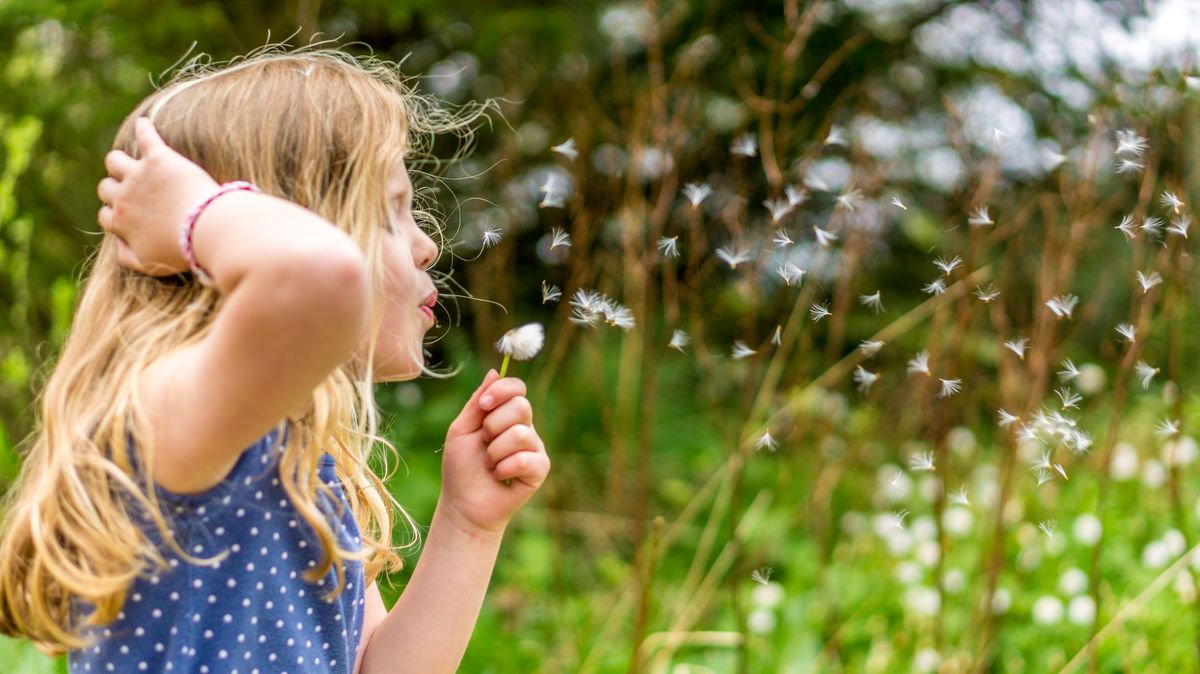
(426, 306)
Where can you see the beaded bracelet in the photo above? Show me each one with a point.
(189, 224)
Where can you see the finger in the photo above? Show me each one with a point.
(147, 136)
(529, 467)
(519, 438)
(107, 190)
(515, 410)
(106, 218)
(501, 391)
(118, 164)
(470, 418)
(126, 256)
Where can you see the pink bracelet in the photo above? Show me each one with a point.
(189, 224)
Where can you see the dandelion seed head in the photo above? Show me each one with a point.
(522, 343)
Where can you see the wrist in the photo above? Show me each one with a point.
(448, 518)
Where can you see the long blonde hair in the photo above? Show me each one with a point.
(313, 125)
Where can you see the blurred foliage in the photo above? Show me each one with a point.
(837, 97)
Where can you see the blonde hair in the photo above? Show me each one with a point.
(316, 126)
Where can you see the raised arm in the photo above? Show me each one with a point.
(296, 301)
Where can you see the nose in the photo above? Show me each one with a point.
(425, 250)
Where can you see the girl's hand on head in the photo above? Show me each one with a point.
(492, 441)
(146, 200)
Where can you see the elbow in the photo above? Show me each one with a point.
(332, 284)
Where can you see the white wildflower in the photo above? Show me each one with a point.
(558, 237)
(740, 350)
(1063, 305)
(522, 343)
(696, 193)
(1127, 331)
(919, 364)
(1017, 346)
(921, 461)
(864, 378)
(567, 149)
(1145, 373)
(874, 300)
(949, 387)
(980, 218)
(1148, 281)
(679, 340)
(669, 246)
(550, 293)
(744, 145)
(733, 257)
(819, 311)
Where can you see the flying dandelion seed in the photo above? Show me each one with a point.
(1180, 225)
(919, 364)
(947, 266)
(1167, 428)
(850, 199)
(590, 308)
(766, 442)
(520, 343)
(1006, 418)
(824, 238)
(790, 273)
(949, 387)
(1169, 200)
(1152, 226)
(669, 246)
(960, 497)
(987, 294)
(896, 518)
(795, 194)
(491, 236)
(1129, 143)
(864, 378)
(555, 189)
(1148, 281)
(1069, 371)
(1127, 227)
(1063, 305)
(733, 258)
(1017, 346)
(1061, 471)
(921, 462)
(819, 311)
(1043, 475)
(836, 136)
(1048, 527)
(567, 149)
(550, 293)
(744, 145)
(980, 218)
(874, 300)
(558, 238)
(936, 287)
(899, 204)
(1145, 372)
(781, 240)
(1070, 399)
(696, 193)
(779, 208)
(740, 350)
(870, 347)
(762, 576)
(679, 340)
(777, 337)
(898, 484)
(1129, 166)
(1127, 331)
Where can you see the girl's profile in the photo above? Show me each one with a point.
(197, 496)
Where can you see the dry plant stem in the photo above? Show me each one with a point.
(646, 563)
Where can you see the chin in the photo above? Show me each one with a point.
(397, 370)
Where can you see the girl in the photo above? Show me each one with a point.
(197, 497)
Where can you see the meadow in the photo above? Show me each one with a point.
(870, 339)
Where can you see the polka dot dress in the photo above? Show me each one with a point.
(251, 612)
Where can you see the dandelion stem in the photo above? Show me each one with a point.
(504, 365)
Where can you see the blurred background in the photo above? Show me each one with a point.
(885, 359)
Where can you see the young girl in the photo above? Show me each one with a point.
(197, 497)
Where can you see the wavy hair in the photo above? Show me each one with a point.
(313, 125)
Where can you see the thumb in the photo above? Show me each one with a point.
(470, 419)
(146, 136)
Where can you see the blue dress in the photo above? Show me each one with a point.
(251, 612)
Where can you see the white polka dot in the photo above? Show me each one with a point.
(222, 654)
(208, 634)
(197, 583)
(157, 613)
(231, 583)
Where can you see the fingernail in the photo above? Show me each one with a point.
(485, 402)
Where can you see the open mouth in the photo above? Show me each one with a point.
(427, 306)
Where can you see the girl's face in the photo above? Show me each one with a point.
(408, 306)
